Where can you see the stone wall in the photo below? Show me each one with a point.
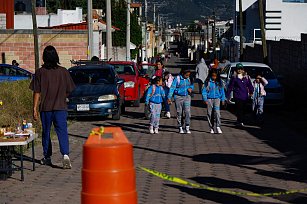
(19, 45)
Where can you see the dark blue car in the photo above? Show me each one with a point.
(99, 92)
(13, 73)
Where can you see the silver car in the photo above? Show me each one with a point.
(274, 90)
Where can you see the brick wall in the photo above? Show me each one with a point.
(19, 45)
(2, 21)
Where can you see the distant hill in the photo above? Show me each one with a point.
(185, 11)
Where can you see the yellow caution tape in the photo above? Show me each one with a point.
(219, 190)
(99, 132)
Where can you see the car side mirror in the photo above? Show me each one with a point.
(120, 81)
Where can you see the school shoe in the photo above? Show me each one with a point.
(151, 130)
(168, 114)
(156, 130)
(219, 131)
(181, 130)
(211, 131)
(66, 162)
(46, 161)
(187, 128)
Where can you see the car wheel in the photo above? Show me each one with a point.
(136, 103)
(123, 107)
(116, 116)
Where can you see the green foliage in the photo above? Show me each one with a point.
(17, 103)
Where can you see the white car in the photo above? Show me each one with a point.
(274, 90)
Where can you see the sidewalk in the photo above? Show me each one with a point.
(251, 159)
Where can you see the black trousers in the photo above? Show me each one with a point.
(240, 109)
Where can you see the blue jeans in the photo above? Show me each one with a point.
(166, 105)
(59, 120)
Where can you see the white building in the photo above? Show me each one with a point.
(24, 21)
(284, 19)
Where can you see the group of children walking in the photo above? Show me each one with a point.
(164, 88)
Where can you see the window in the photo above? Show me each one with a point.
(295, 1)
(124, 69)
(92, 76)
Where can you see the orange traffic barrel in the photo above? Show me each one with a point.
(108, 173)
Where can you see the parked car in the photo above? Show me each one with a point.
(274, 90)
(99, 92)
(147, 71)
(13, 73)
(128, 71)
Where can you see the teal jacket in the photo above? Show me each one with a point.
(157, 97)
(213, 90)
(180, 87)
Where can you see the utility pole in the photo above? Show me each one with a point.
(154, 33)
(146, 10)
(213, 35)
(35, 35)
(90, 29)
(263, 38)
(128, 57)
(207, 43)
(109, 29)
(241, 29)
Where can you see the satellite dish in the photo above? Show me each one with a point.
(224, 40)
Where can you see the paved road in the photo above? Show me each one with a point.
(252, 159)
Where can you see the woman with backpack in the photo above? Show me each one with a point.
(213, 94)
(182, 89)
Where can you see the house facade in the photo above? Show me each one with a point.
(284, 19)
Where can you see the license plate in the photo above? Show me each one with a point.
(83, 107)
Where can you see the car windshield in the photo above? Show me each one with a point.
(253, 71)
(148, 69)
(92, 76)
(124, 69)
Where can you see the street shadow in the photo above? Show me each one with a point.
(78, 136)
(161, 152)
(234, 159)
(134, 115)
(198, 103)
(211, 195)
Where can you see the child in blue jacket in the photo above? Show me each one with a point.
(213, 94)
(154, 98)
(182, 89)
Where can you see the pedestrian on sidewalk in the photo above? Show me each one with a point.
(201, 74)
(258, 97)
(182, 89)
(168, 80)
(154, 98)
(51, 86)
(242, 88)
(213, 95)
(160, 69)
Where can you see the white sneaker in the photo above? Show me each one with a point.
(168, 114)
(151, 130)
(156, 130)
(66, 162)
(219, 131)
(181, 130)
(187, 128)
(211, 131)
